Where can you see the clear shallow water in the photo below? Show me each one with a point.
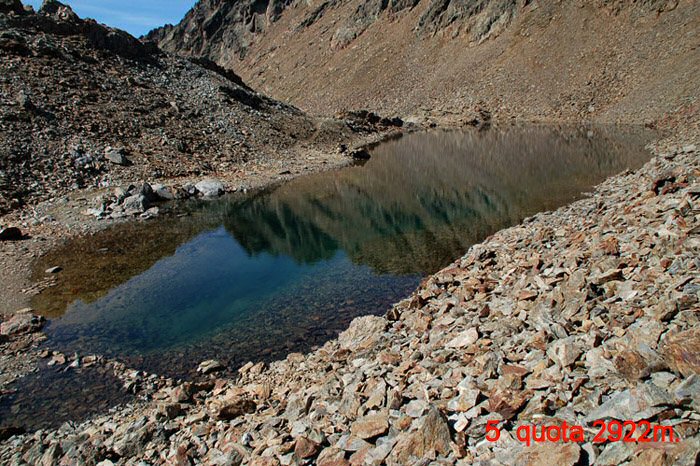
(254, 277)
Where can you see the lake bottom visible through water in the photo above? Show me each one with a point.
(255, 277)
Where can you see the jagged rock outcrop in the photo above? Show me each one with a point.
(213, 23)
(478, 17)
(215, 29)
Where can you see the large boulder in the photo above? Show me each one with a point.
(232, 405)
(210, 188)
(116, 156)
(363, 333)
(682, 352)
(135, 204)
(430, 440)
(370, 426)
(162, 192)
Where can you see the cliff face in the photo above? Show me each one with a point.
(219, 26)
(607, 60)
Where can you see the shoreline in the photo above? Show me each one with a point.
(48, 223)
(446, 331)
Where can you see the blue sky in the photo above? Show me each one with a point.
(135, 16)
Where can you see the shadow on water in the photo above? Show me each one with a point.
(256, 277)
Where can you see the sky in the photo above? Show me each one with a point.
(134, 16)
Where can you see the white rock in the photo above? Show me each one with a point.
(210, 188)
(464, 339)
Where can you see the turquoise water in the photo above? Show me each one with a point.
(210, 285)
(209, 282)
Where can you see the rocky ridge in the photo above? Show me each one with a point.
(446, 61)
(589, 312)
(83, 106)
(220, 29)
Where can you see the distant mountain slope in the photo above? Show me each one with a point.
(605, 59)
(70, 88)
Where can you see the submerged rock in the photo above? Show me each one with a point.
(209, 366)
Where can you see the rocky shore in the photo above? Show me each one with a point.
(27, 233)
(583, 314)
(586, 313)
(84, 106)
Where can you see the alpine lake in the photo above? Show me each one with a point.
(256, 276)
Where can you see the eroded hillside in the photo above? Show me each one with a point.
(84, 105)
(603, 60)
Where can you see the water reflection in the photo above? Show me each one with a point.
(254, 277)
(422, 200)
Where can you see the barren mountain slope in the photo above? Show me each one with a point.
(71, 88)
(606, 60)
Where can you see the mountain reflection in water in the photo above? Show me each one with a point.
(256, 276)
(421, 201)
